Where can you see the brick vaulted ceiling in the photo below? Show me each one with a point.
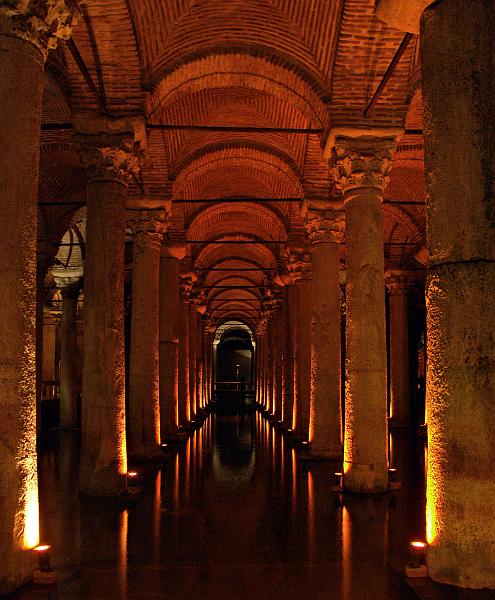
(269, 64)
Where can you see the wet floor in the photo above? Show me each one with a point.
(232, 515)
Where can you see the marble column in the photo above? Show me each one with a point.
(27, 30)
(70, 288)
(398, 283)
(289, 366)
(184, 409)
(360, 171)
(143, 426)
(300, 267)
(278, 364)
(103, 451)
(192, 359)
(325, 231)
(459, 96)
(170, 317)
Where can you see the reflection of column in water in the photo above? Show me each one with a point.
(274, 452)
(346, 555)
(176, 484)
(187, 472)
(282, 463)
(157, 509)
(391, 453)
(123, 529)
(311, 519)
(294, 481)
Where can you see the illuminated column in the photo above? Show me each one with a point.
(103, 452)
(170, 317)
(300, 267)
(325, 230)
(459, 95)
(360, 169)
(143, 427)
(70, 287)
(398, 282)
(289, 367)
(184, 397)
(260, 350)
(278, 363)
(27, 29)
(192, 358)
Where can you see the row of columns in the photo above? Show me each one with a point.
(312, 409)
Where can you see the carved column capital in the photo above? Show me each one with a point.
(40, 22)
(362, 162)
(148, 226)
(67, 280)
(324, 226)
(399, 282)
(108, 157)
(299, 265)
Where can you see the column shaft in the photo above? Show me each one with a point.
(459, 95)
(169, 345)
(21, 87)
(68, 357)
(104, 461)
(144, 411)
(184, 397)
(325, 417)
(303, 357)
(365, 445)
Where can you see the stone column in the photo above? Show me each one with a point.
(360, 169)
(325, 230)
(459, 96)
(289, 367)
(70, 288)
(27, 30)
(184, 397)
(109, 161)
(172, 253)
(278, 364)
(398, 283)
(300, 267)
(143, 427)
(192, 359)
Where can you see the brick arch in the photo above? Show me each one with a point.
(232, 146)
(226, 218)
(244, 72)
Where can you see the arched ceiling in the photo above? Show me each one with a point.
(239, 98)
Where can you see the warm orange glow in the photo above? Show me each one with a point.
(346, 554)
(421, 545)
(42, 548)
(311, 515)
(132, 474)
(124, 528)
(31, 537)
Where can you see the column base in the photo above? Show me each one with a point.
(365, 479)
(103, 483)
(399, 423)
(154, 454)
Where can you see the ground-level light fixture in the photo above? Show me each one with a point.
(337, 482)
(44, 575)
(417, 566)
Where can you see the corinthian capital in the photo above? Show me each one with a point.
(108, 158)
(299, 265)
(41, 22)
(324, 226)
(399, 282)
(148, 222)
(362, 162)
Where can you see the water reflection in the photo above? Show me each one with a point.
(233, 514)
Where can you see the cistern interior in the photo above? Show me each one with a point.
(247, 315)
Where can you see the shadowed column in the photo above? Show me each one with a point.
(325, 230)
(70, 288)
(172, 253)
(143, 427)
(398, 282)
